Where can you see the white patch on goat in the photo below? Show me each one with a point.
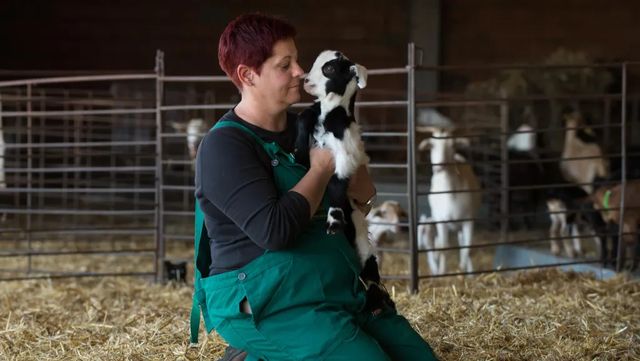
(365, 250)
(522, 142)
(348, 153)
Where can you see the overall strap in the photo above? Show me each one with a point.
(202, 250)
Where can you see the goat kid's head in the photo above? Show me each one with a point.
(332, 72)
(388, 212)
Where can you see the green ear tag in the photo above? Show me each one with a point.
(605, 199)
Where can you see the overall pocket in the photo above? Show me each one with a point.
(257, 282)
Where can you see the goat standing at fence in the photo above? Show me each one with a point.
(195, 129)
(578, 143)
(454, 195)
(607, 201)
(330, 122)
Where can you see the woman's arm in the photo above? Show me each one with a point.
(314, 183)
(362, 190)
(235, 179)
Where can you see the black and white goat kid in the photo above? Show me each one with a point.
(330, 122)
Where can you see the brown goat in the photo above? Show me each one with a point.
(607, 201)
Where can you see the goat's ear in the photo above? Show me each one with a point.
(463, 142)
(361, 75)
(425, 144)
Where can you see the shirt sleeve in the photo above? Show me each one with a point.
(237, 182)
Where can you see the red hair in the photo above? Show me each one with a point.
(249, 40)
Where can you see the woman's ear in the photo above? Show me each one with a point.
(245, 75)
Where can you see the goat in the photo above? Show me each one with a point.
(449, 198)
(581, 143)
(195, 128)
(607, 201)
(330, 122)
(572, 215)
(384, 226)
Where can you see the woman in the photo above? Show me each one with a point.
(273, 282)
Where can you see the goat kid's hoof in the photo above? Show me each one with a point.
(335, 220)
(334, 227)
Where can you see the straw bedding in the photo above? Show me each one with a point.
(535, 315)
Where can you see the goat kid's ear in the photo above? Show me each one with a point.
(425, 144)
(361, 75)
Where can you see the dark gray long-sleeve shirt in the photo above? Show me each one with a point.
(243, 212)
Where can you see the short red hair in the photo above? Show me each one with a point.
(249, 40)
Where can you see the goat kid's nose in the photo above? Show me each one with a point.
(306, 80)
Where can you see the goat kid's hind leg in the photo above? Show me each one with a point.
(554, 232)
(338, 204)
(442, 240)
(465, 236)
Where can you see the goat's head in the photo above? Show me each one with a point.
(332, 72)
(388, 212)
(573, 119)
(441, 143)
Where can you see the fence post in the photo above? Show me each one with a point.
(411, 165)
(504, 177)
(623, 170)
(159, 196)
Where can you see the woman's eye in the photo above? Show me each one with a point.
(286, 66)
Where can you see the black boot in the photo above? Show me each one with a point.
(233, 354)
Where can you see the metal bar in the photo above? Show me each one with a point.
(77, 190)
(179, 213)
(385, 134)
(80, 112)
(387, 165)
(75, 79)
(79, 169)
(504, 198)
(623, 169)
(411, 166)
(93, 231)
(74, 211)
(509, 269)
(515, 66)
(159, 198)
(79, 144)
(78, 275)
(178, 188)
(75, 252)
(29, 176)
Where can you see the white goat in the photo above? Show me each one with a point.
(195, 128)
(451, 173)
(581, 143)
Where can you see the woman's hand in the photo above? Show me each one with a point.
(321, 159)
(314, 183)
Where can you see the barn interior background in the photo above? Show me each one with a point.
(96, 123)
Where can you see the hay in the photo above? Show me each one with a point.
(535, 315)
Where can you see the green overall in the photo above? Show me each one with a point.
(306, 301)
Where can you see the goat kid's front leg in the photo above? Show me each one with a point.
(554, 233)
(338, 204)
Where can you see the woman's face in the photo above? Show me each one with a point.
(278, 85)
